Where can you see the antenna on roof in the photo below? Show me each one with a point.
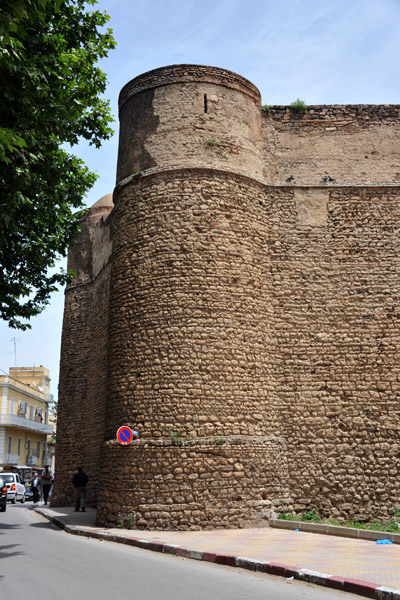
(15, 340)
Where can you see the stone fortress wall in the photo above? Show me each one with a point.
(245, 325)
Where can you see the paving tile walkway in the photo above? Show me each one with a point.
(342, 557)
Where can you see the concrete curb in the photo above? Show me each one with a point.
(355, 586)
(322, 528)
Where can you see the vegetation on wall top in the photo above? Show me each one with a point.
(298, 105)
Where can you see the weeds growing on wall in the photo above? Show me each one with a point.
(219, 441)
(309, 516)
(127, 522)
(298, 105)
(212, 142)
(179, 438)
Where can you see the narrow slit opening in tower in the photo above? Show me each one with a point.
(205, 103)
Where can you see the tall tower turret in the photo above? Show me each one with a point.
(189, 329)
(187, 115)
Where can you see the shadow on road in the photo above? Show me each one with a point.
(5, 554)
(10, 526)
(44, 525)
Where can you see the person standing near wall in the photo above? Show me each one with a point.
(46, 481)
(35, 485)
(79, 481)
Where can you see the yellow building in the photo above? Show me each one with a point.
(24, 418)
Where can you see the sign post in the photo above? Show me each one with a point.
(125, 435)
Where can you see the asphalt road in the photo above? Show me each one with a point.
(38, 561)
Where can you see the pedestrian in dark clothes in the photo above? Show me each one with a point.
(79, 481)
(46, 480)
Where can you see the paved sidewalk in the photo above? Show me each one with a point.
(353, 565)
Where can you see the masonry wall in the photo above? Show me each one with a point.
(190, 314)
(75, 350)
(189, 340)
(83, 364)
(184, 116)
(336, 326)
(245, 326)
(203, 483)
(353, 144)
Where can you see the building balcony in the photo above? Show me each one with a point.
(46, 461)
(32, 460)
(11, 459)
(23, 423)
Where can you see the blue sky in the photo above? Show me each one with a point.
(333, 52)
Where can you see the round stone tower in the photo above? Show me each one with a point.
(189, 347)
(187, 115)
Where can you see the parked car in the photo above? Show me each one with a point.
(3, 495)
(15, 487)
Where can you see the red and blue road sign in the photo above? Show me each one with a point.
(125, 435)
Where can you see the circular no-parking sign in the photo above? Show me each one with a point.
(124, 435)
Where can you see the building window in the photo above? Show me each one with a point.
(9, 444)
(46, 417)
(38, 449)
(19, 446)
(31, 412)
(44, 448)
(28, 447)
(22, 406)
(12, 406)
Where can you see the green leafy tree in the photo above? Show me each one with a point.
(50, 97)
(53, 409)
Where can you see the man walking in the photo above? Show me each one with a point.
(79, 481)
(46, 480)
(35, 484)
